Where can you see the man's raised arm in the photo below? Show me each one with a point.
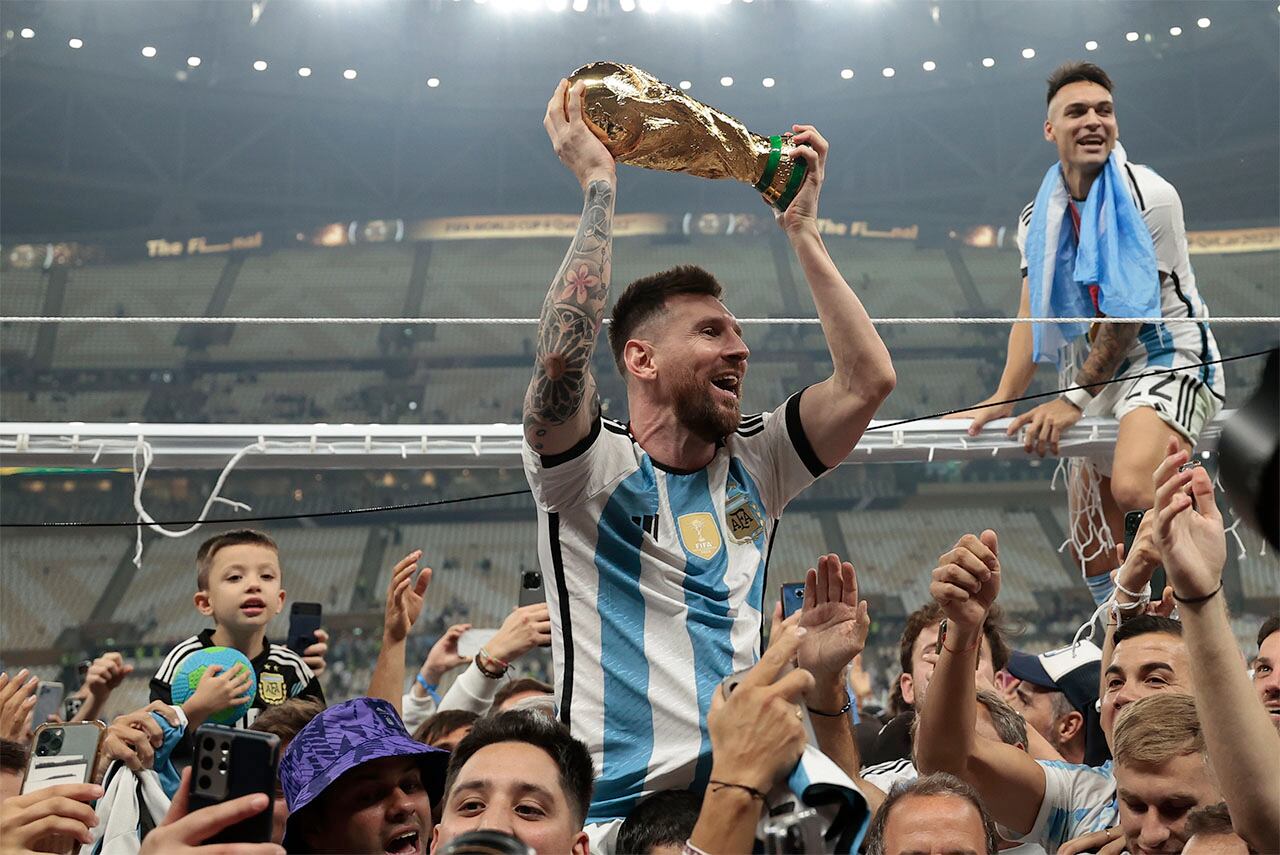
(835, 412)
(562, 400)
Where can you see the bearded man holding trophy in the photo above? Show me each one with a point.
(654, 534)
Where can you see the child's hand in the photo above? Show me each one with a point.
(217, 691)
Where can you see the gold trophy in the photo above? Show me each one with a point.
(644, 122)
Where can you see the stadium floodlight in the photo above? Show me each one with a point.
(726, 81)
(259, 65)
(929, 65)
(193, 61)
(305, 71)
(433, 82)
(988, 62)
(75, 44)
(1175, 31)
(686, 85)
(1028, 53)
(27, 33)
(1203, 23)
(627, 5)
(846, 73)
(149, 52)
(1131, 36)
(767, 83)
(888, 72)
(349, 74)
(579, 5)
(1091, 45)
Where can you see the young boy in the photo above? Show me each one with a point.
(238, 582)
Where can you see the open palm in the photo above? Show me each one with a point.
(835, 622)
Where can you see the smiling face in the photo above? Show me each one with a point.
(1155, 799)
(1082, 124)
(693, 354)
(1142, 666)
(1266, 679)
(513, 788)
(378, 807)
(244, 590)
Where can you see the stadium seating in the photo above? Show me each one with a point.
(23, 294)
(52, 581)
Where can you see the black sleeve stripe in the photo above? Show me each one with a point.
(175, 657)
(1142, 205)
(551, 460)
(1025, 216)
(566, 617)
(795, 430)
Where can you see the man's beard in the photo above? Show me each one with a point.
(697, 410)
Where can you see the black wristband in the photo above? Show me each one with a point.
(848, 705)
(1191, 601)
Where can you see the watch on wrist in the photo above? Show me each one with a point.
(1078, 398)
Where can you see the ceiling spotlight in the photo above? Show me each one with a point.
(304, 71)
(259, 65)
(1028, 53)
(888, 72)
(349, 74)
(726, 81)
(1203, 23)
(1131, 36)
(578, 5)
(987, 62)
(846, 73)
(627, 5)
(1175, 31)
(149, 52)
(193, 61)
(929, 65)
(686, 85)
(1091, 45)
(433, 82)
(767, 83)
(27, 33)
(75, 44)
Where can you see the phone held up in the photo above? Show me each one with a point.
(63, 754)
(229, 763)
(304, 620)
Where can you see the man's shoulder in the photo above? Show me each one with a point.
(1148, 187)
(1024, 217)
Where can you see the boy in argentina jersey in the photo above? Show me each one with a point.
(655, 534)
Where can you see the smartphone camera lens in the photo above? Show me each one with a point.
(42, 749)
(55, 745)
(206, 763)
(208, 743)
(205, 782)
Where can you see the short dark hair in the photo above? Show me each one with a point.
(1270, 625)
(286, 719)
(211, 547)
(648, 296)
(577, 775)
(13, 757)
(1147, 625)
(931, 613)
(515, 687)
(442, 724)
(937, 784)
(665, 818)
(1210, 819)
(1077, 71)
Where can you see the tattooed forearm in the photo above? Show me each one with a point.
(570, 322)
(1106, 353)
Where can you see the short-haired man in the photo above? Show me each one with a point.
(446, 728)
(357, 784)
(1162, 771)
(1057, 694)
(654, 534)
(1044, 802)
(285, 721)
(936, 813)
(522, 774)
(1209, 831)
(661, 824)
(1151, 269)
(521, 691)
(1266, 668)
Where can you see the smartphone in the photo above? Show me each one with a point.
(48, 701)
(531, 591)
(63, 754)
(1132, 520)
(728, 684)
(470, 642)
(229, 763)
(792, 598)
(304, 620)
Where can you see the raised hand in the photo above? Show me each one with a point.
(575, 143)
(966, 581)
(1188, 530)
(405, 597)
(17, 705)
(217, 690)
(443, 656)
(524, 629)
(183, 832)
(47, 819)
(316, 651)
(105, 675)
(134, 737)
(835, 621)
(812, 147)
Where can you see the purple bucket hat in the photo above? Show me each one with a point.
(344, 737)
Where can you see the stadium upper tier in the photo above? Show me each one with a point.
(443, 373)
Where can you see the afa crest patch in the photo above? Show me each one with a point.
(744, 518)
(271, 688)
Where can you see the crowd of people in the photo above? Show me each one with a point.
(679, 717)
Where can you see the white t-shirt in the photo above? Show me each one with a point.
(656, 580)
